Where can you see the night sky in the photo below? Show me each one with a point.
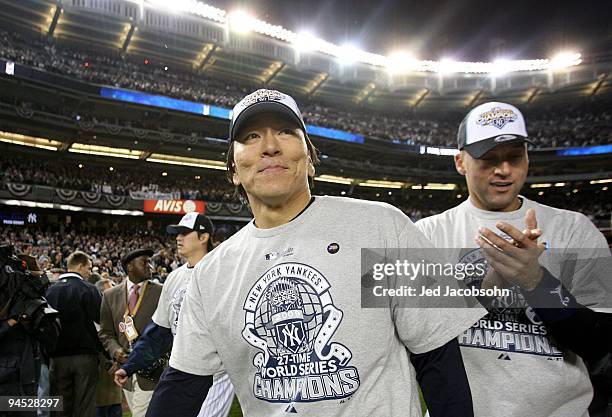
(456, 29)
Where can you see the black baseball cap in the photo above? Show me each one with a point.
(130, 256)
(264, 101)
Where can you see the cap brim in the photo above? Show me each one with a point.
(264, 107)
(479, 149)
(175, 229)
(136, 254)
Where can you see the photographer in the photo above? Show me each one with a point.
(19, 359)
(28, 327)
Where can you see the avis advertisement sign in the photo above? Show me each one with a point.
(174, 206)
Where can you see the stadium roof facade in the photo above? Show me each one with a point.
(257, 53)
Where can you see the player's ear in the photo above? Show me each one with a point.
(235, 179)
(311, 168)
(204, 237)
(459, 163)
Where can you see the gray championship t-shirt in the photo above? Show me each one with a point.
(171, 298)
(175, 287)
(514, 368)
(280, 310)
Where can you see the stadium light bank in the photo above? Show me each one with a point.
(242, 22)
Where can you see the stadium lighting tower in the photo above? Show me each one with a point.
(447, 66)
(305, 41)
(185, 6)
(400, 63)
(240, 21)
(348, 54)
(174, 6)
(564, 60)
(501, 67)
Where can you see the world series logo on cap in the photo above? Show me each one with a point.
(497, 117)
(262, 95)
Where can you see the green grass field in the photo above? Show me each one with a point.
(235, 410)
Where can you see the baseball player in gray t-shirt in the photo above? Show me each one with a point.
(521, 359)
(194, 240)
(278, 305)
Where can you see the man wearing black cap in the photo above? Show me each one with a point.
(193, 241)
(278, 305)
(125, 312)
(518, 358)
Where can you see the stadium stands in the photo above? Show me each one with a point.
(99, 179)
(575, 125)
(109, 239)
(92, 174)
(84, 170)
(51, 247)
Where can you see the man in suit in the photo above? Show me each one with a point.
(125, 312)
(108, 395)
(73, 372)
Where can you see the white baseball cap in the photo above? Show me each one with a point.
(489, 125)
(264, 101)
(190, 222)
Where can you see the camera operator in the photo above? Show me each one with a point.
(34, 268)
(20, 359)
(28, 327)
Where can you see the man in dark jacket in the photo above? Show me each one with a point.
(74, 362)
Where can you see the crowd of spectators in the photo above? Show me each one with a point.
(576, 126)
(120, 181)
(110, 68)
(214, 187)
(406, 129)
(572, 127)
(107, 242)
(52, 247)
(593, 202)
(96, 176)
